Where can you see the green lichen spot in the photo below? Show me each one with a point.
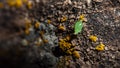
(78, 27)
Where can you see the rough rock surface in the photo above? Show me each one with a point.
(102, 20)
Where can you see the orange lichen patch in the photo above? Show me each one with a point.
(41, 33)
(67, 37)
(49, 21)
(37, 24)
(38, 42)
(61, 28)
(1, 5)
(45, 40)
(25, 1)
(82, 17)
(70, 51)
(63, 19)
(67, 58)
(29, 4)
(27, 32)
(15, 3)
(68, 48)
(100, 47)
(19, 3)
(64, 45)
(11, 3)
(93, 38)
(76, 54)
(27, 23)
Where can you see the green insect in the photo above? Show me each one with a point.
(78, 27)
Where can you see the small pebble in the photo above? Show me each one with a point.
(24, 42)
(67, 2)
(72, 16)
(106, 48)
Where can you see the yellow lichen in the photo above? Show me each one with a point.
(100, 47)
(67, 37)
(37, 24)
(68, 48)
(62, 28)
(15, 3)
(76, 54)
(49, 21)
(70, 51)
(27, 32)
(93, 38)
(19, 3)
(27, 23)
(45, 40)
(82, 17)
(63, 19)
(29, 4)
(41, 33)
(64, 45)
(11, 3)
(1, 5)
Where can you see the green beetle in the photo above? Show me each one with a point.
(78, 27)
